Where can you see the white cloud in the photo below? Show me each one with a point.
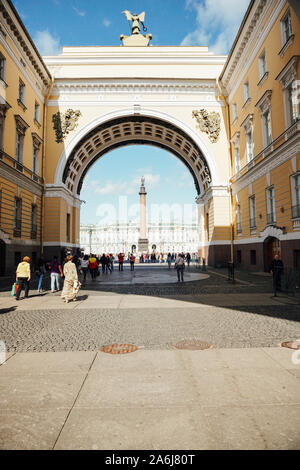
(106, 23)
(217, 23)
(46, 43)
(78, 12)
(110, 188)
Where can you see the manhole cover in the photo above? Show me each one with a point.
(291, 344)
(119, 348)
(192, 345)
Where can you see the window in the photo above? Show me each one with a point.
(253, 257)
(68, 228)
(37, 112)
(35, 163)
(2, 118)
(239, 256)
(234, 112)
(33, 221)
(2, 67)
(21, 127)
(295, 180)
(21, 98)
(19, 147)
(249, 145)
(238, 219)
(271, 211)
(237, 159)
(267, 128)
(246, 92)
(18, 217)
(262, 65)
(252, 212)
(292, 102)
(289, 82)
(286, 27)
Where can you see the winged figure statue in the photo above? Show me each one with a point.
(136, 20)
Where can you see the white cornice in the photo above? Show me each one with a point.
(95, 103)
(240, 61)
(21, 68)
(53, 191)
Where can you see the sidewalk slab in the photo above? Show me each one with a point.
(135, 428)
(34, 364)
(55, 390)
(30, 429)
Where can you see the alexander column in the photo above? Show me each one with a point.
(143, 240)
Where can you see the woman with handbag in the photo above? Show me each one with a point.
(71, 284)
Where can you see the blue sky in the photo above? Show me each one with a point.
(56, 23)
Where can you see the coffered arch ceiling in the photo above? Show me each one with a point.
(135, 129)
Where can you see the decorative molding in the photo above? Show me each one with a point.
(212, 192)
(289, 73)
(247, 124)
(288, 43)
(280, 155)
(263, 79)
(208, 123)
(53, 191)
(22, 125)
(37, 140)
(25, 42)
(265, 102)
(5, 237)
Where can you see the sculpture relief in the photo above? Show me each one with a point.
(63, 124)
(209, 123)
(136, 38)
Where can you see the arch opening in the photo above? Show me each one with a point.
(129, 130)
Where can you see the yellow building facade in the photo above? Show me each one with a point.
(262, 87)
(24, 83)
(246, 171)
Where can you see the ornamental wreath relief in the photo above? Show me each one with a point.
(65, 123)
(209, 123)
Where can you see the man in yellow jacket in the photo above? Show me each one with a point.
(23, 277)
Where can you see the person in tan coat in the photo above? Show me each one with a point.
(23, 277)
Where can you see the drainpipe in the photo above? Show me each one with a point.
(43, 165)
(230, 166)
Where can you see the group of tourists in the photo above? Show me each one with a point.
(68, 271)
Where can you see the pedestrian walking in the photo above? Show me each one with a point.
(276, 269)
(169, 260)
(84, 264)
(132, 261)
(121, 261)
(93, 267)
(23, 276)
(103, 262)
(71, 285)
(40, 273)
(179, 266)
(112, 258)
(56, 274)
(188, 259)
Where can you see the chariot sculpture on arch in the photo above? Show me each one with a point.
(136, 38)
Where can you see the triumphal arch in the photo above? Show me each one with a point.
(107, 97)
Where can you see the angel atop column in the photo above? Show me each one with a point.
(136, 20)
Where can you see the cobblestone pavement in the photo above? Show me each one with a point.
(152, 316)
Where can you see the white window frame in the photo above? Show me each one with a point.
(264, 106)
(288, 78)
(248, 129)
(252, 206)
(235, 141)
(246, 91)
(37, 110)
(22, 92)
(238, 218)
(262, 66)
(234, 112)
(2, 67)
(284, 37)
(271, 204)
(295, 190)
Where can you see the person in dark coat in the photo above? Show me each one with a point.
(276, 269)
